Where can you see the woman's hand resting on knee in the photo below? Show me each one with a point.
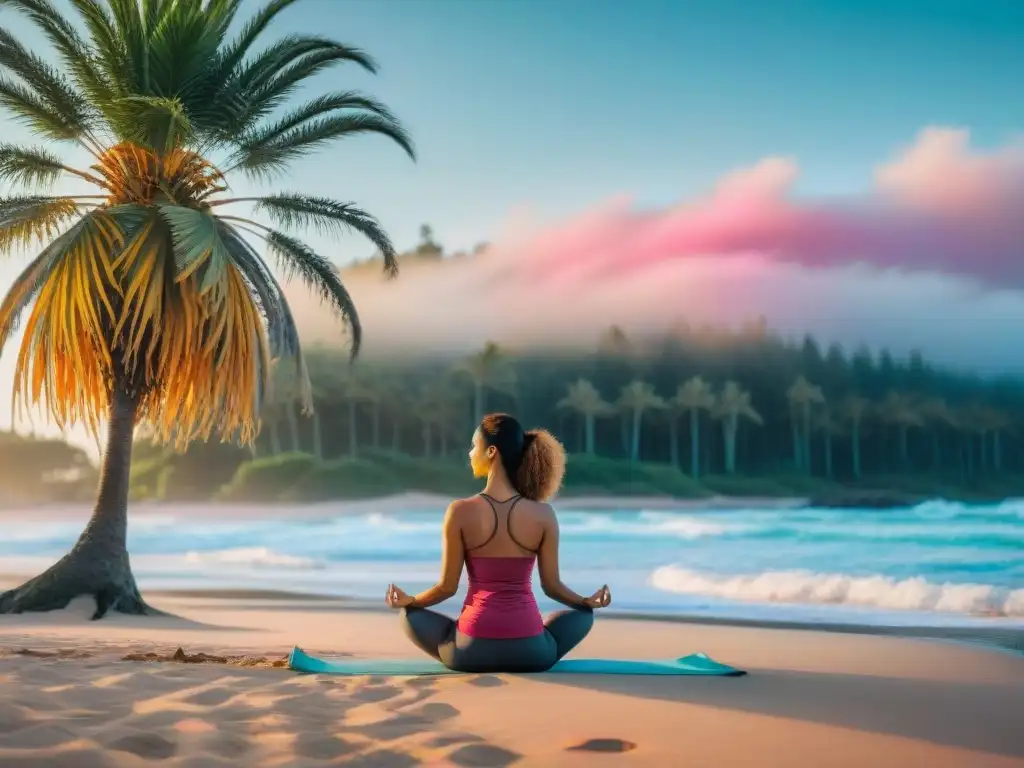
(600, 599)
(396, 598)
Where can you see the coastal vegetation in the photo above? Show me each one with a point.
(691, 413)
(148, 303)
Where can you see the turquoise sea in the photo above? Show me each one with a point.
(937, 563)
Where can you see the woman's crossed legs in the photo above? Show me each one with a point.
(437, 635)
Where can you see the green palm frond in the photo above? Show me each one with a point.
(29, 166)
(158, 122)
(30, 109)
(237, 50)
(290, 211)
(296, 259)
(52, 88)
(199, 247)
(273, 155)
(324, 105)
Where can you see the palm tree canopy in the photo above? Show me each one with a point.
(735, 401)
(143, 284)
(489, 367)
(694, 394)
(639, 395)
(853, 408)
(901, 410)
(583, 397)
(935, 410)
(828, 422)
(802, 392)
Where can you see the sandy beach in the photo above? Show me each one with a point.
(69, 698)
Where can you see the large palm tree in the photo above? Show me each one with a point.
(150, 303)
(732, 404)
(584, 399)
(692, 397)
(637, 398)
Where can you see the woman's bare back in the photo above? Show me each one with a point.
(511, 527)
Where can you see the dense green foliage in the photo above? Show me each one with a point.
(767, 417)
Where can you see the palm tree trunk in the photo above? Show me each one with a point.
(376, 425)
(589, 430)
(634, 447)
(426, 440)
(673, 440)
(806, 450)
(730, 424)
(983, 454)
(997, 451)
(98, 563)
(798, 463)
(293, 426)
(855, 447)
(828, 455)
(694, 443)
(624, 432)
(318, 445)
(353, 436)
(904, 453)
(396, 435)
(443, 435)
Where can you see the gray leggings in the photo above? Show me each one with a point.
(437, 635)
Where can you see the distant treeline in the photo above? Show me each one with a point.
(701, 410)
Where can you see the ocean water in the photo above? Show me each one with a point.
(940, 563)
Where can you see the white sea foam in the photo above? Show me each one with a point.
(807, 587)
(251, 557)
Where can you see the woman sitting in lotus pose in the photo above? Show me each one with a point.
(499, 534)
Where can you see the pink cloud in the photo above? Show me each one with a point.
(939, 206)
(886, 267)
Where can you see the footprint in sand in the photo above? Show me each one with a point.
(483, 755)
(149, 746)
(435, 712)
(603, 745)
(40, 736)
(318, 746)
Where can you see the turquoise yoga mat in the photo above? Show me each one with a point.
(693, 665)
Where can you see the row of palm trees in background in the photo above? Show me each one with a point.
(650, 400)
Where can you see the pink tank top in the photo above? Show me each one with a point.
(500, 604)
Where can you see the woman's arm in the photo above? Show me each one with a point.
(547, 562)
(452, 559)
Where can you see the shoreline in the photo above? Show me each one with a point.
(403, 502)
(413, 501)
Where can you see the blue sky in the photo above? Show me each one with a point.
(556, 105)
